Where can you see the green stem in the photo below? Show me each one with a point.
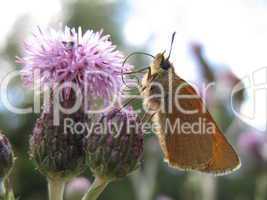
(9, 191)
(56, 189)
(96, 189)
(2, 188)
(261, 187)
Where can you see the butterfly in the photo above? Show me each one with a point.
(174, 105)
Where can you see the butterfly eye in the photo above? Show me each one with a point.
(165, 64)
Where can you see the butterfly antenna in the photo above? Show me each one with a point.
(172, 41)
(133, 72)
(136, 53)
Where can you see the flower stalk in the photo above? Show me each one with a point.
(261, 187)
(96, 189)
(56, 188)
(6, 191)
(2, 188)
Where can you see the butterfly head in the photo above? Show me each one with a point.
(160, 63)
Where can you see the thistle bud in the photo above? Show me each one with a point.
(6, 156)
(115, 145)
(57, 151)
(6, 162)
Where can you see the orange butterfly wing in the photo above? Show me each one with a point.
(224, 159)
(207, 152)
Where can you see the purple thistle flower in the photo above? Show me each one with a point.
(115, 144)
(89, 60)
(6, 156)
(56, 151)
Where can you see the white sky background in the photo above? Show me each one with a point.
(233, 32)
(41, 12)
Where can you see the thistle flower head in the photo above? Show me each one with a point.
(6, 156)
(89, 60)
(115, 145)
(58, 152)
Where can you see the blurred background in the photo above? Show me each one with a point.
(221, 41)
